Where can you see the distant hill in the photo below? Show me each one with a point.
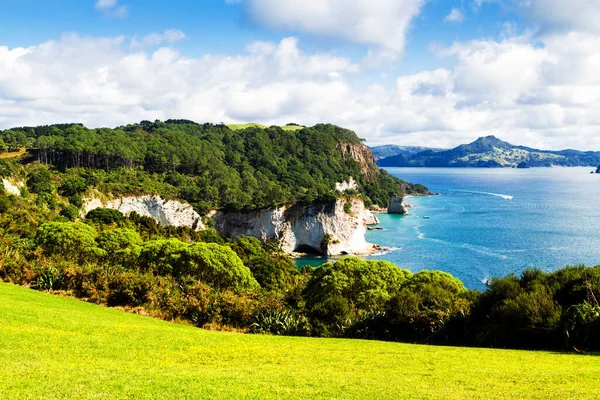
(491, 152)
(391, 150)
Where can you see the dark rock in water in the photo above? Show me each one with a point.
(523, 165)
(598, 170)
(397, 206)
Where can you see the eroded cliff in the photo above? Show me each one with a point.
(165, 212)
(331, 228)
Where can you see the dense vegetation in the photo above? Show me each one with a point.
(203, 279)
(210, 166)
(491, 152)
(57, 348)
(200, 278)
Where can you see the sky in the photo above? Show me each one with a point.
(433, 73)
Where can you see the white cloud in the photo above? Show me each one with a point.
(169, 36)
(455, 15)
(543, 95)
(382, 24)
(560, 15)
(112, 8)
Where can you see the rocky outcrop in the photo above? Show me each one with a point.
(165, 212)
(363, 156)
(598, 170)
(397, 206)
(343, 186)
(324, 228)
(13, 188)
(370, 218)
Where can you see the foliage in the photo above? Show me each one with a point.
(70, 212)
(210, 166)
(349, 289)
(105, 216)
(70, 240)
(280, 323)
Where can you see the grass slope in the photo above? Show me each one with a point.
(235, 127)
(53, 347)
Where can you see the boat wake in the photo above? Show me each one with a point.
(503, 196)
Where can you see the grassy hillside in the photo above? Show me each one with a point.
(52, 347)
(237, 127)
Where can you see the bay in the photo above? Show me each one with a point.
(493, 222)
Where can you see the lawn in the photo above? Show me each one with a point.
(54, 347)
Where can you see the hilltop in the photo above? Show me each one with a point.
(52, 348)
(491, 152)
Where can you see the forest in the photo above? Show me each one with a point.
(210, 166)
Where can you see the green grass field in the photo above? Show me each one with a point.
(53, 347)
(235, 127)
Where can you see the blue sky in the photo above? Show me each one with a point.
(426, 72)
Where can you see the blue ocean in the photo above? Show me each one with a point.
(493, 222)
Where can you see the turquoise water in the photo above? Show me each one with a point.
(493, 222)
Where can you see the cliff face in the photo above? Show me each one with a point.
(323, 228)
(166, 213)
(362, 155)
(331, 228)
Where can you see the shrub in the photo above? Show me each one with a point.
(76, 200)
(105, 216)
(70, 212)
(39, 181)
(425, 303)
(280, 323)
(122, 246)
(348, 207)
(216, 265)
(71, 240)
(352, 287)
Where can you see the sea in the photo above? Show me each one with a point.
(492, 222)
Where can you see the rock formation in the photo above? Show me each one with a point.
(167, 213)
(397, 206)
(370, 218)
(323, 228)
(12, 188)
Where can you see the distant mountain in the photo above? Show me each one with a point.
(491, 152)
(391, 150)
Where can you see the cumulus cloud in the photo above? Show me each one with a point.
(382, 24)
(544, 95)
(455, 15)
(112, 8)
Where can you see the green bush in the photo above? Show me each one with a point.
(70, 240)
(122, 246)
(70, 212)
(105, 216)
(353, 286)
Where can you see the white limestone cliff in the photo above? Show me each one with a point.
(323, 228)
(165, 212)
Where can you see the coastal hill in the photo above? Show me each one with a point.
(491, 152)
(391, 150)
